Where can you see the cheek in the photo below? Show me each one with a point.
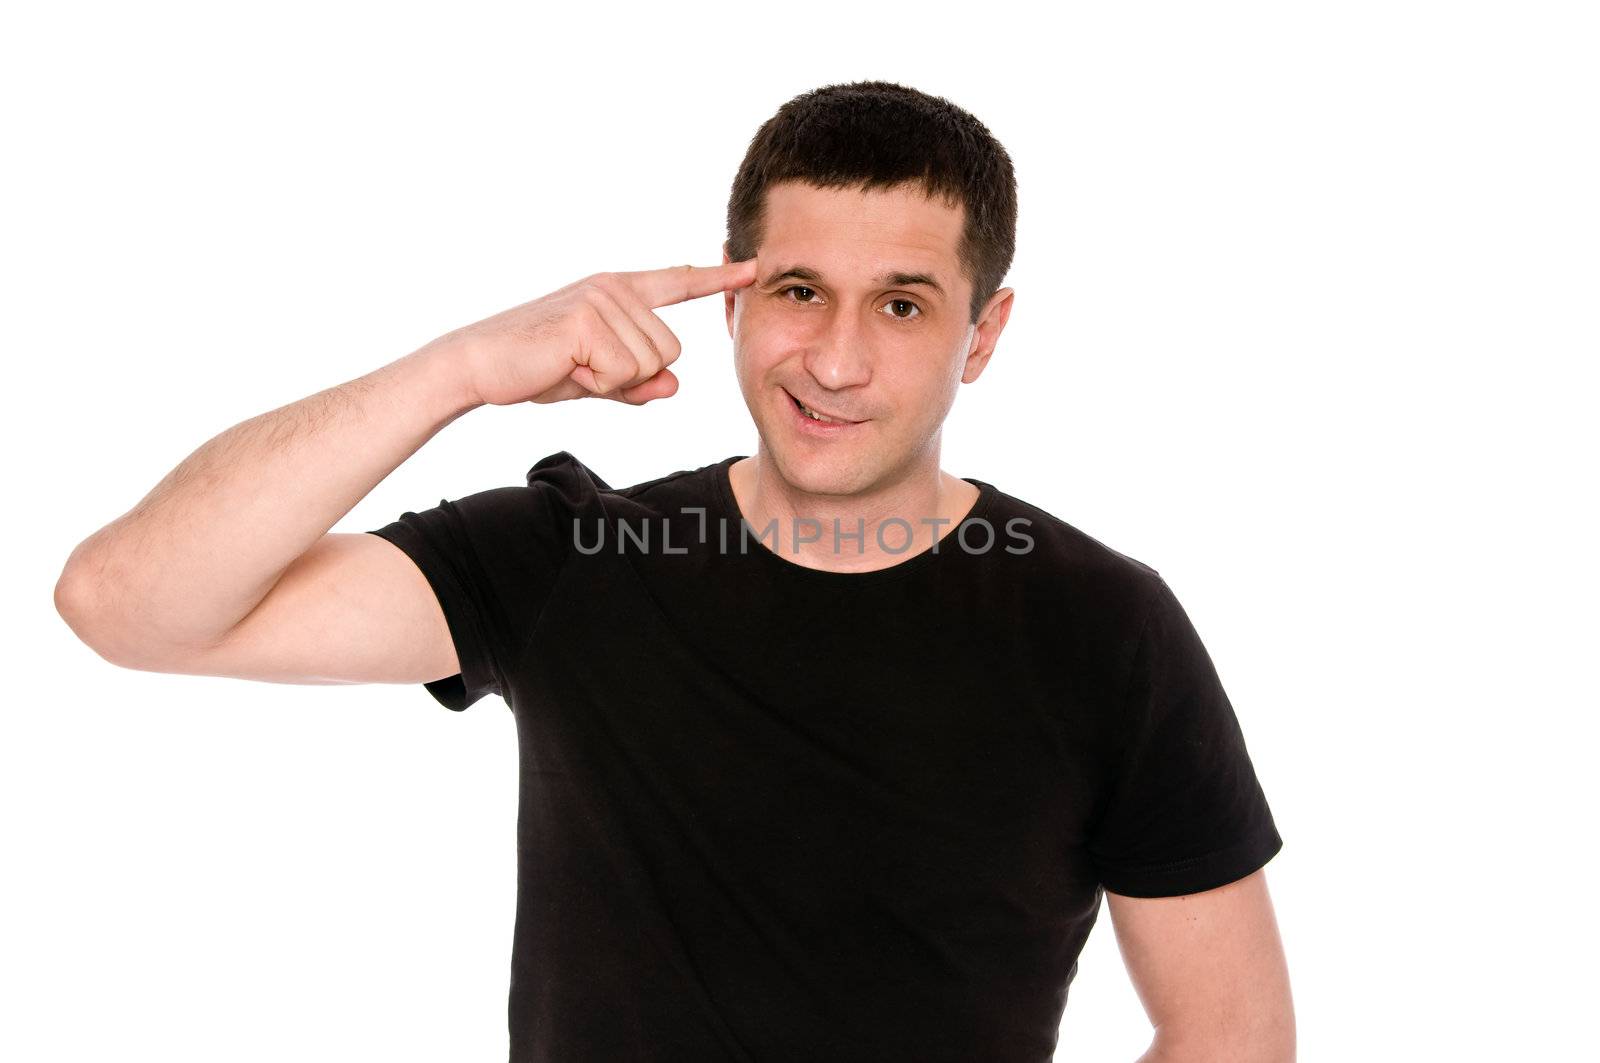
(763, 338)
(929, 394)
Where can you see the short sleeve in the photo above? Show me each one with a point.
(1186, 812)
(491, 559)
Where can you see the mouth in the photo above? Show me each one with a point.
(816, 419)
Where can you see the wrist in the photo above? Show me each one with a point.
(442, 366)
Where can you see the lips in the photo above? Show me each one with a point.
(803, 406)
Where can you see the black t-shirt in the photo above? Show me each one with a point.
(770, 812)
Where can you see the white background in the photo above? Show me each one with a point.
(1305, 319)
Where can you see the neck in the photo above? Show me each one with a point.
(897, 517)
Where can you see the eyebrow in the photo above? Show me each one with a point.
(896, 279)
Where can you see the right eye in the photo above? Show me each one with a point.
(797, 288)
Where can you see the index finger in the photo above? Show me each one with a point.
(676, 284)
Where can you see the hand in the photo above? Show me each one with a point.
(597, 336)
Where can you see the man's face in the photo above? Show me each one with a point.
(842, 318)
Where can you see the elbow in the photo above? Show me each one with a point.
(1267, 1038)
(79, 605)
(75, 597)
(1265, 1048)
(82, 603)
(1276, 1050)
(113, 622)
(1236, 1052)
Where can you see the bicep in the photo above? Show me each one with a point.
(1210, 970)
(353, 608)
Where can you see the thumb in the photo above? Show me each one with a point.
(661, 386)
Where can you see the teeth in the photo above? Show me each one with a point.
(817, 416)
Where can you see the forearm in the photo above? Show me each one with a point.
(208, 542)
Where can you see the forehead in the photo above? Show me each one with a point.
(898, 227)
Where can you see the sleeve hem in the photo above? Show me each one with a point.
(1196, 874)
(476, 678)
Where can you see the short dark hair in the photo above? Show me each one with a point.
(879, 134)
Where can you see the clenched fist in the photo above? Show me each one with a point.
(597, 336)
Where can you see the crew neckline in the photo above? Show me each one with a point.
(947, 544)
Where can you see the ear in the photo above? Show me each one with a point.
(728, 297)
(987, 333)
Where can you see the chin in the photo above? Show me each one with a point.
(816, 473)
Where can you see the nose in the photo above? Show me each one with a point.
(838, 356)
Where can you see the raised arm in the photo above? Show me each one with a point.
(167, 581)
(228, 567)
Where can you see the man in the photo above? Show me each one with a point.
(826, 754)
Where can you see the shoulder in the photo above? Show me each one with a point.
(1064, 566)
(563, 474)
(578, 489)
